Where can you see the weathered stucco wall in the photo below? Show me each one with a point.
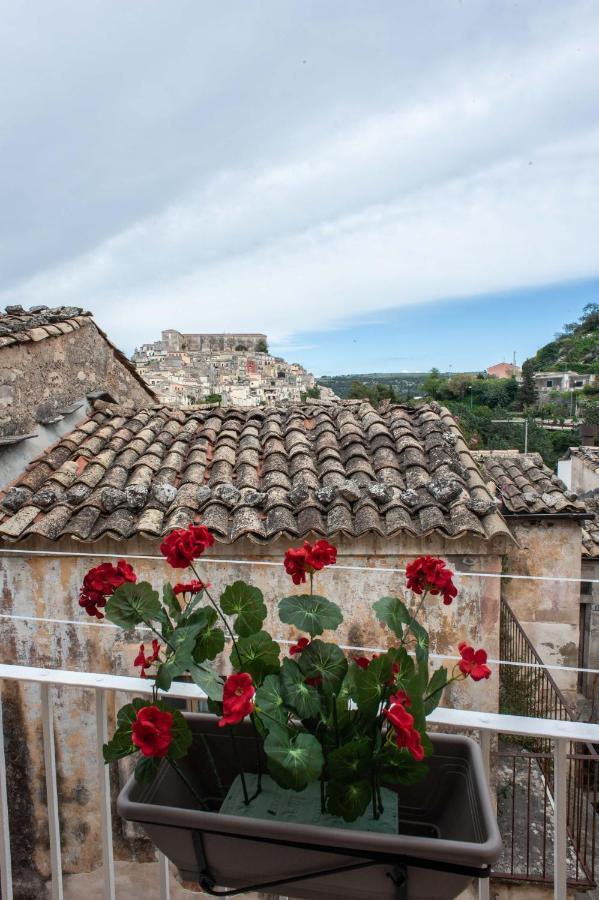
(38, 378)
(547, 610)
(48, 588)
(589, 612)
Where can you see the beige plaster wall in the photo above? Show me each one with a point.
(37, 378)
(48, 588)
(547, 610)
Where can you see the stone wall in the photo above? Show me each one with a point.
(48, 588)
(211, 343)
(547, 610)
(38, 379)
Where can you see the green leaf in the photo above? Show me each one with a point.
(182, 641)
(147, 769)
(247, 603)
(349, 801)
(351, 761)
(298, 759)
(395, 614)
(434, 690)
(302, 697)
(372, 684)
(127, 714)
(170, 601)
(257, 654)
(400, 767)
(181, 733)
(310, 613)
(208, 681)
(325, 661)
(119, 746)
(209, 644)
(269, 700)
(133, 603)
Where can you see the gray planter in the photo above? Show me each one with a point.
(448, 830)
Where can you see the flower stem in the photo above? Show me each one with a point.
(213, 766)
(414, 617)
(258, 755)
(219, 614)
(244, 788)
(188, 784)
(158, 635)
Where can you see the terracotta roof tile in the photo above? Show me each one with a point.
(316, 469)
(524, 485)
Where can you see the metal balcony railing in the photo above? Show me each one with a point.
(485, 726)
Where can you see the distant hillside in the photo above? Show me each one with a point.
(576, 347)
(405, 384)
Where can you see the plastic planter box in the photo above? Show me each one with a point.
(448, 831)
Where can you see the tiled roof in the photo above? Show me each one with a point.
(590, 529)
(525, 485)
(321, 468)
(20, 326)
(588, 455)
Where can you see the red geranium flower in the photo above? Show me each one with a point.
(151, 731)
(101, 582)
(429, 573)
(473, 662)
(299, 647)
(238, 698)
(316, 681)
(403, 725)
(147, 661)
(191, 587)
(310, 558)
(183, 545)
(362, 661)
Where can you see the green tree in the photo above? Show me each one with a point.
(528, 392)
(212, 398)
(262, 346)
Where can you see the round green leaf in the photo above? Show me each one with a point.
(247, 603)
(269, 700)
(133, 603)
(351, 761)
(146, 769)
(257, 654)
(302, 697)
(299, 757)
(349, 801)
(208, 681)
(324, 661)
(310, 613)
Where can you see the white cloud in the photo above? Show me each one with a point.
(476, 169)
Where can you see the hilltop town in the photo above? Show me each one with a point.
(232, 369)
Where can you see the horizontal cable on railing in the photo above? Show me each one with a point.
(85, 623)
(260, 562)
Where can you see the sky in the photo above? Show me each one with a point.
(378, 186)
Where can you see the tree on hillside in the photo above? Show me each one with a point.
(435, 385)
(262, 346)
(528, 392)
(376, 393)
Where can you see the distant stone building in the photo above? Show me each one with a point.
(51, 360)
(213, 343)
(504, 370)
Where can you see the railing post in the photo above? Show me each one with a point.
(165, 888)
(484, 737)
(5, 861)
(560, 814)
(104, 785)
(51, 792)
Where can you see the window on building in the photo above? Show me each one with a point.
(549, 382)
(586, 587)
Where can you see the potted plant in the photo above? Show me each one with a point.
(319, 754)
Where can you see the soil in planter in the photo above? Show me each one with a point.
(275, 804)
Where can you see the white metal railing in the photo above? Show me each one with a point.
(484, 724)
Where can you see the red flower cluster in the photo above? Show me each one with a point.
(473, 662)
(403, 724)
(100, 583)
(238, 698)
(184, 545)
(192, 587)
(145, 662)
(299, 647)
(308, 559)
(151, 731)
(429, 573)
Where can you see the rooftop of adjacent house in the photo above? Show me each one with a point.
(21, 326)
(319, 468)
(590, 530)
(589, 456)
(525, 486)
